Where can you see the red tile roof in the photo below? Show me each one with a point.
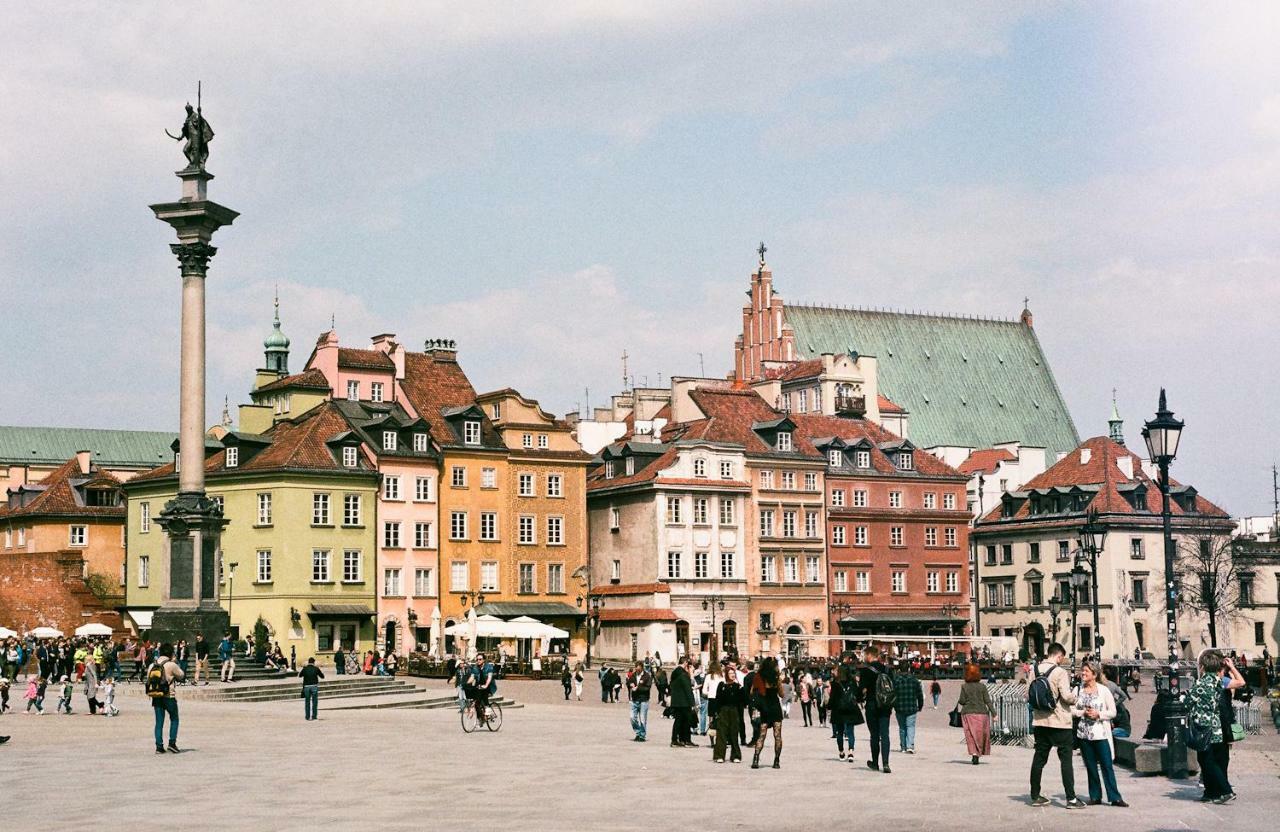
(887, 406)
(364, 359)
(641, 614)
(813, 426)
(59, 497)
(986, 460)
(796, 370)
(311, 379)
(730, 416)
(630, 589)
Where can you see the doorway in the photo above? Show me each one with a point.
(793, 644)
(1033, 639)
(390, 637)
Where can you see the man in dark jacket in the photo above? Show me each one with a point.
(877, 711)
(681, 704)
(639, 682)
(311, 676)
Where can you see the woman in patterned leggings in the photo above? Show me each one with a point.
(766, 693)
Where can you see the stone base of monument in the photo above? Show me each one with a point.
(173, 624)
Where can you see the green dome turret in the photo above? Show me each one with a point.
(276, 345)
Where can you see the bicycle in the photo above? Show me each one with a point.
(493, 717)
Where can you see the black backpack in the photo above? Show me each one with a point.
(1040, 693)
(884, 689)
(848, 698)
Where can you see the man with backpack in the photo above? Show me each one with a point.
(875, 688)
(161, 676)
(1050, 696)
(227, 656)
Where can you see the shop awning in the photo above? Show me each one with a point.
(903, 617)
(340, 611)
(534, 609)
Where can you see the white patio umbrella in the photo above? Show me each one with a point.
(5, 632)
(94, 629)
(434, 648)
(472, 625)
(45, 632)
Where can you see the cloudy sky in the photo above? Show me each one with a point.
(551, 184)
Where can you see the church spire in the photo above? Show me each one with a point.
(276, 345)
(226, 412)
(1115, 423)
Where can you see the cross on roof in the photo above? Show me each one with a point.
(761, 252)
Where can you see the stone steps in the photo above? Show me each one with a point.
(292, 689)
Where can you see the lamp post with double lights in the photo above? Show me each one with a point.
(1162, 435)
(1055, 609)
(1079, 580)
(1093, 536)
(583, 574)
(713, 603)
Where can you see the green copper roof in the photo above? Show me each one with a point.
(129, 448)
(966, 382)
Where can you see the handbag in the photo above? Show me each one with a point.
(953, 718)
(1237, 732)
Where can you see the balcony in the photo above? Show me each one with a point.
(853, 407)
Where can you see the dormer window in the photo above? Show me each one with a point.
(375, 391)
(700, 467)
(353, 391)
(608, 469)
(388, 440)
(630, 465)
(350, 456)
(784, 440)
(471, 432)
(863, 459)
(834, 458)
(420, 443)
(905, 461)
(233, 457)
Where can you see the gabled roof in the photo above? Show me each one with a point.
(736, 416)
(364, 359)
(864, 434)
(311, 379)
(986, 460)
(21, 445)
(967, 382)
(436, 386)
(61, 493)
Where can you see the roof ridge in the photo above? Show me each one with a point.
(911, 312)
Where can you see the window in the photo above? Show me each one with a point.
(1064, 551)
(555, 485)
(391, 582)
(497, 411)
(1259, 633)
(842, 581)
(931, 582)
(837, 535)
(862, 582)
(423, 583)
(1037, 593)
(766, 479)
(931, 536)
(471, 432)
(489, 576)
(812, 569)
(1139, 591)
(790, 569)
(555, 578)
(555, 531)
(898, 581)
(459, 576)
(930, 500)
(810, 481)
(727, 566)
(79, 535)
(895, 535)
(991, 556)
(526, 534)
(949, 536)
(422, 489)
(629, 465)
(726, 511)
(1246, 590)
(993, 595)
(389, 440)
(699, 467)
(319, 509)
(673, 509)
(615, 518)
(527, 583)
(608, 469)
(834, 458)
(526, 440)
(769, 569)
(1135, 548)
(953, 582)
(1008, 595)
(766, 523)
(803, 399)
(458, 476)
(949, 501)
(905, 461)
(353, 391)
(837, 497)
(860, 536)
(811, 524)
(673, 564)
(375, 395)
(144, 571)
(220, 502)
(351, 565)
(320, 566)
(1006, 554)
(233, 457)
(789, 480)
(895, 499)
(525, 485)
(421, 535)
(391, 534)
(542, 440)
(726, 470)
(144, 523)
(391, 488)
(8, 538)
(784, 440)
(766, 622)
(859, 498)
(489, 525)
(458, 525)
(1033, 552)
(615, 571)
(788, 524)
(350, 456)
(862, 459)
(700, 564)
(420, 443)
(700, 511)
(351, 510)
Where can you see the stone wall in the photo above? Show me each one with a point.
(47, 589)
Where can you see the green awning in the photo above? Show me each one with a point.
(533, 609)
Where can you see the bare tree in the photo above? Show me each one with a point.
(1208, 574)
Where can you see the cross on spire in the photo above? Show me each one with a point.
(761, 252)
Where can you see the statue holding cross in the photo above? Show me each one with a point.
(197, 133)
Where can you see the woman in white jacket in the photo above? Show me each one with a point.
(1095, 707)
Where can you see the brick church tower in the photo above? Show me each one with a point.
(766, 336)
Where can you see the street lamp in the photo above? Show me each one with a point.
(1093, 536)
(583, 574)
(713, 602)
(1162, 435)
(1079, 580)
(231, 587)
(1055, 609)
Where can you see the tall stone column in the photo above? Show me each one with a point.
(192, 522)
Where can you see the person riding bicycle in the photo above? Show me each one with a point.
(483, 684)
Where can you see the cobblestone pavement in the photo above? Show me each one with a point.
(554, 766)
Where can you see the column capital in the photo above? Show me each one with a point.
(193, 258)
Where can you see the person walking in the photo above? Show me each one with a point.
(845, 712)
(661, 680)
(935, 692)
(1232, 680)
(227, 656)
(707, 692)
(311, 676)
(578, 676)
(976, 713)
(682, 705)
(36, 687)
(728, 706)
(766, 703)
(566, 680)
(1052, 725)
(202, 659)
(908, 701)
(159, 681)
(180, 655)
(876, 690)
(1095, 707)
(639, 683)
(805, 690)
(91, 687)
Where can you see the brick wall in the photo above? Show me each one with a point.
(46, 589)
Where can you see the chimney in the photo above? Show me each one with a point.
(442, 349)
(1126, 466)
(85, 458)
(1085, 455)
(386, 344)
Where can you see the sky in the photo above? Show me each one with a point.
(553, 184)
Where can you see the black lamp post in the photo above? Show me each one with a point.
(583, 574)
(1079, 579)
(1055, 609)
(231, 587)
(1162, 435)
(1093, 536)
(713, 602)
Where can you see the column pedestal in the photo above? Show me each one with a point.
(189, 587)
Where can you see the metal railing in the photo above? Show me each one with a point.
(1249, 715)
(1012, 723)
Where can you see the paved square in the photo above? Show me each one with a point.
(554, 766)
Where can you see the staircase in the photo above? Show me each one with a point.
(247, 669)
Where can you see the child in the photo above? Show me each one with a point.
(35, 695)
(65, 701)
(109, 698)
(4, 694)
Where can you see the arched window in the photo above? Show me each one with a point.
(729, 637)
